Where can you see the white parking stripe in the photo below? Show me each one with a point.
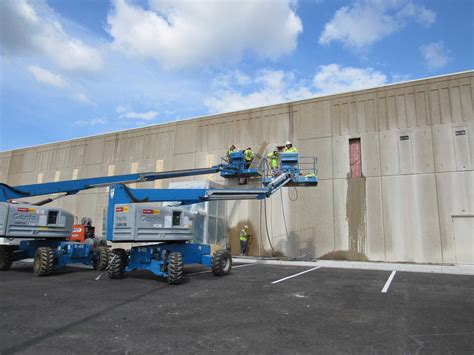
(298, 274)
(389, 280)
(206, 271)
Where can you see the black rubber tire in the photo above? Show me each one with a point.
(6, 257)
(44, 261)
(175, 268)
(221, 263)
(117, 263)
(100, 260)
(101, 242)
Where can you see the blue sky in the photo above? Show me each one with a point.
(71, 68)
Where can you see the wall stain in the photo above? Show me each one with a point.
(344, 255)
(356, 214)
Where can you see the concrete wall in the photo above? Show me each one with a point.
(414, 203)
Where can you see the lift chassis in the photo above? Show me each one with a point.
(47, 230)
(49, 255)
(167, 260)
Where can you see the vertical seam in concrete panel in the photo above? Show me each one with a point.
(429, 118)
(226, 122)
(291, 125)
(398, 153)
(158, 168)
(435, 174)
(412, 136)
(110, 172)
(381, 198)
(454, 240)
(332, 181)
(333, 209)
(450, 103)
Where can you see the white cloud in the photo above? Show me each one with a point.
(365, 22)
(92, 122)
(81, 97)
(46, 77)
(192, 33)
(124, 112)
(333, 78)
(436, 55)
(49, 78)
(234, 77)
(121, 109)
(274, 86)
(33, 27)
(277, 86)
(147, 116)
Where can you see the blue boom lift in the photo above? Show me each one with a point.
(132, 216)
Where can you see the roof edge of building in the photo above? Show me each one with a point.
(239, 111)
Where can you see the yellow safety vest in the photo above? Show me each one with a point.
(243, 235)
(273, 159)
(248, 155)
(291, 150)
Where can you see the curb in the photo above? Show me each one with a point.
(360, 265)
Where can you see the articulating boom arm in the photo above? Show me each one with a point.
(71, 187)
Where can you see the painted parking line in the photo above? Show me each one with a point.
(295, 275)
(389, 280)
(206, 271)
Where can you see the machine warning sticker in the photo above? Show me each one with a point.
(121, 209)
(151, 211)
(26, 209)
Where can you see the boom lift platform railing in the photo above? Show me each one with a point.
(132, 216)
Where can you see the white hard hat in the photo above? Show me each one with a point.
(288, 143)
(246, 226)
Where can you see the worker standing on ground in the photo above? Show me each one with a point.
(289, 148)
(273, 159)
(244, 241)
(248, 157)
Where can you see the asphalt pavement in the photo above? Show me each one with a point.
(256, 309)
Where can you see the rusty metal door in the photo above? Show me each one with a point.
(355, 157)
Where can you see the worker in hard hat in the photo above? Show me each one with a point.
(289, 148)
(248, 157)
(274, 160)
(232, 149)
(244, 240)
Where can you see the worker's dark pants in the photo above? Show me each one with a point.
(247, 164)
(244, 244)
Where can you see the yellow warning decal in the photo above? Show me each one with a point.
(151, 211)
